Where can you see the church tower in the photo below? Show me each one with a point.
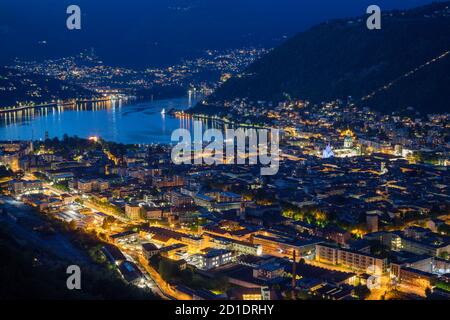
(348, 142)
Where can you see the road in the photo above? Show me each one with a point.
(149, 281)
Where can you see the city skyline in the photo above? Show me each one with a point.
(243, 159)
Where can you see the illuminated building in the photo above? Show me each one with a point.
(349, 150)
(348, 142)
(241, 247)
(149, 250)
(327, 153)
(167, 237)
(427, 242)
(415, 277)
(358, 261)
(20, 186)
(11, 161)
(87, 186)
(372, 221)
(284, 247)
(268, 271)
(212, 258)
(175, 252)
(133, 211)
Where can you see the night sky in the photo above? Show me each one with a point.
(141, 33)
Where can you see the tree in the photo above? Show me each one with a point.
(303, 295)
(444, 229)
(362, 292)
(5, 172)
(187, 275)
(444, 255)
(220, 283)
(167, 269)
(443, 285)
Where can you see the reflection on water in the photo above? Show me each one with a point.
(23, 116)
(126, 122)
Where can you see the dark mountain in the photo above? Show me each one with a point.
(139, 34)
(19, 87)
(398, 63)
(29, 273)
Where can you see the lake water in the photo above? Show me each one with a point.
(126, 122)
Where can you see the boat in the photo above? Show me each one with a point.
(163, 112)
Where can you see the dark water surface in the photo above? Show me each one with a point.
(126, 122)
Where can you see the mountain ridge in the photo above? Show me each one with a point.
(342, 58)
